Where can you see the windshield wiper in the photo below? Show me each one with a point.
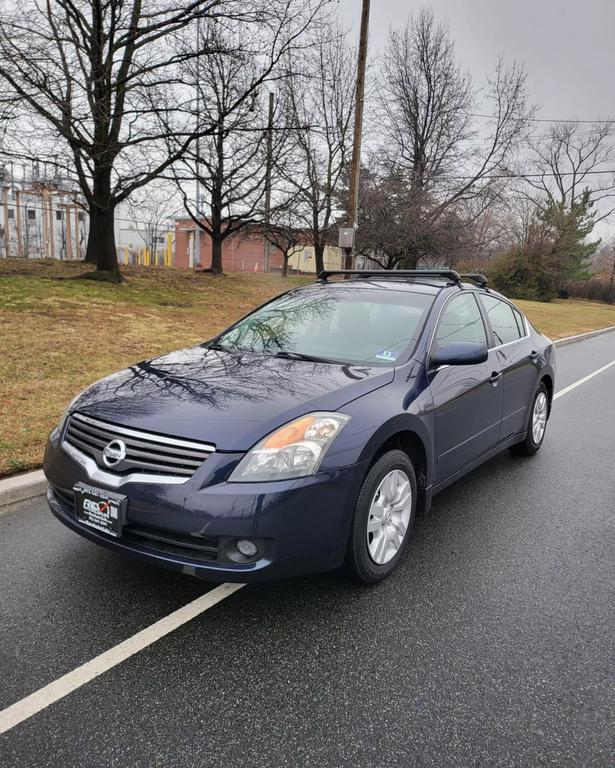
(282, 353)
(309, 358)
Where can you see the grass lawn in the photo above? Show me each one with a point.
(568, 317)
(57, 335)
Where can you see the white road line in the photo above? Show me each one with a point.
(44, 697)
(578, 383)
(58, 689)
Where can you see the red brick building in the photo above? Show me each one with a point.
(242, 252)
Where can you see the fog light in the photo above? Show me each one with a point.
(246, 547)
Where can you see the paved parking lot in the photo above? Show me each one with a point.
(492, 645)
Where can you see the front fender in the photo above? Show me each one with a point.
(406, 423)
(406, 405)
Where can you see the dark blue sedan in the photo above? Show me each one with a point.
(307, 435)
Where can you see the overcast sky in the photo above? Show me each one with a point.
(566, 46)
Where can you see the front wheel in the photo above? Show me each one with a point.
(537, 425)
(383, 518)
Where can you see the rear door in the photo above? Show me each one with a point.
(517, 357)
(467, 398)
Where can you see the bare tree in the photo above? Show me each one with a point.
(104, 77)
(425, 100)
(386, 231)
(230, 164)
(320, 92)
(153, 209)
(427, 107)
(569, 160)
(390, 232)
(283, 231)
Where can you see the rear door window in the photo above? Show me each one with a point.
(502, 318)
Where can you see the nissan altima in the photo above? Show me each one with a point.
(309, 434)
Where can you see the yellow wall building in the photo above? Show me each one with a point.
(305, 261)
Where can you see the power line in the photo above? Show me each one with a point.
(532, 138)
(545, 119)
(580, 174)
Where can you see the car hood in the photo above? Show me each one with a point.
(229, 399)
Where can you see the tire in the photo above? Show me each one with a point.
(372, 555)
(534, 439)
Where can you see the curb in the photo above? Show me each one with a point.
(22, 487)
(32, 484)
(582, 336)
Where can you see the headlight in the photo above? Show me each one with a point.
(294, 450)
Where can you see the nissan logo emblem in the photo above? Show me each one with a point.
(114, 452)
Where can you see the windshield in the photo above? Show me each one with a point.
(345, 324)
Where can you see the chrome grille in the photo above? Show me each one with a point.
(145, 451)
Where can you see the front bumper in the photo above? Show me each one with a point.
(301, 526)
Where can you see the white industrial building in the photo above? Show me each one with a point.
(42, 216)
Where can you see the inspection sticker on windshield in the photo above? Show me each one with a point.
(386, 354)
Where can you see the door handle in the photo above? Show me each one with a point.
(495, 377)
(534, 355)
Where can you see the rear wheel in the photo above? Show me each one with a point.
(383, 518)
(537, 424)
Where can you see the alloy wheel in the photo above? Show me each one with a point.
(389, 516)
(539, 417)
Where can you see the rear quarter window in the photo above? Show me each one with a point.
(520, 321)
(506, 323)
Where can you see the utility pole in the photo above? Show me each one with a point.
(52, 234)
(69, 234)
(77, 232)
(355, 168)
(18, 223)
(5, 208)
(268, 172)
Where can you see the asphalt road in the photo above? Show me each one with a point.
(492, 645)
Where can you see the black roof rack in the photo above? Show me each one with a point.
(455, 277)
(480, 280)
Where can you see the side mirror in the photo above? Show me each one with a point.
(460, 353)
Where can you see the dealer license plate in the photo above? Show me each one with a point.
(100, 509)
